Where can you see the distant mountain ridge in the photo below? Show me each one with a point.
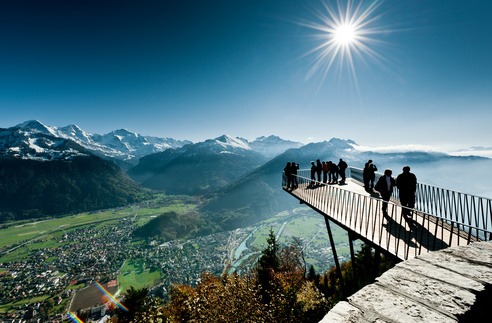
(86, 178)
(32, 139)
(31, 188)
(198, 168)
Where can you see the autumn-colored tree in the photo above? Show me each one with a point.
(290, 297)
(228, 299)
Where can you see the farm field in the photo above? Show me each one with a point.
(138, 276)
(5, 307)
(17, 239)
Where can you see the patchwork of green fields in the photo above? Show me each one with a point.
(18, 239)
(138, 276)
(4, 308)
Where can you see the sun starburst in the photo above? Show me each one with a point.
(344, 34)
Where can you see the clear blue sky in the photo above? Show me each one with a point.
(198, 69)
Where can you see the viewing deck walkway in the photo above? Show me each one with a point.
(441, 218)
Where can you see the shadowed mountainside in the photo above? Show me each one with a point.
(197, 169)
(34, 189)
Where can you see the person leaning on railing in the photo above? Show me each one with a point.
(342, 166)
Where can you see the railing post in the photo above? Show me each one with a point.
(352, 254)
(335, 256)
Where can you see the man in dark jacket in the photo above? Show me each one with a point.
(313, 173)
(294, 167)
(288, 174)
(369, 175)
(342, 166)
(385, 186)
(407, 185)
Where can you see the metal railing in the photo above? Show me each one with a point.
(458, 207)
(441, 218)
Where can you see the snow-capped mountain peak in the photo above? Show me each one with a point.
(74, 131)
(36, 127)
(272, 146)
(33, 139)
(227, 141)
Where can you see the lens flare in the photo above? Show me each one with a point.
(111, 297)
(74, 317)
(344, 33)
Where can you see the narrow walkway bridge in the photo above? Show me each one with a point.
(441, 218)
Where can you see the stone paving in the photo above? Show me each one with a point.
(451, 285)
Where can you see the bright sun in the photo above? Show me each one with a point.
(344, 34)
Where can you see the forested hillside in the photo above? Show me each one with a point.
(35, 189)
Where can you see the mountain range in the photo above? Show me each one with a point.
(34, 140)
(45, 170)
(31, 152)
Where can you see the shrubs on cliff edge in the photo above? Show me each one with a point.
(276, 291)
(279, 289)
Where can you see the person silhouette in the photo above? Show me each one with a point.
(385, 186)
(319, 169)
(342, 166)
(313, 173)
(325, 170)
(294, 167)
(406, 183)
(334, 172)
(288, 174)
(369, 175)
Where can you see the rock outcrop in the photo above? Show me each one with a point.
(451, 285)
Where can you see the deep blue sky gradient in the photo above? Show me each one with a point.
(198, 69)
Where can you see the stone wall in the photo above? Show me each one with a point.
(451, 285)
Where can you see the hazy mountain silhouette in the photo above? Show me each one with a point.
(197, 168)
(49, 171)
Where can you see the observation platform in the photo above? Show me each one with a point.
(441, 218)
(451, 285)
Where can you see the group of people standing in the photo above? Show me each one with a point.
(290, 171)
(330, 171)
(406, 183)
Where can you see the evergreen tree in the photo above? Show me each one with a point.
(136, 301)
(268, 264)
(311, 274)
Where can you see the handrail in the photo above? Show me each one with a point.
(442, 215)
(452, 205)
(466, 209)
